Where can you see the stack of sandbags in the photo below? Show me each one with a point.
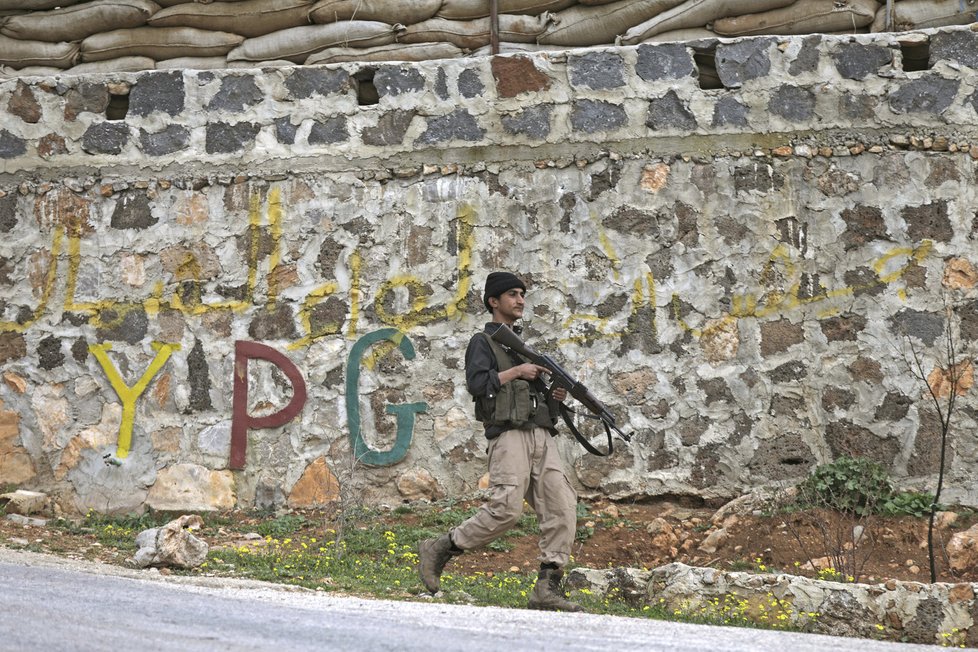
(52, 38)
(920, 14)
(433, 29)
(803, 17)
(49, 36)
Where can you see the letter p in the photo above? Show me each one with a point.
(241, 421)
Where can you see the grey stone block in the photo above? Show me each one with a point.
(224, 138)
(597, 71)
(11, 146)
(792, 103)
(285, 131)
(961, 47)
(533, 121)
(857, 61)
(590, 116)
(87, 97)
(925, 326)
(459, 125)
(391, 81)
(807, 58)
(930, 94)
(198, 376)
(172, 139)
(236, 94)
(306, 82)
(666, 61)
(158, 91)
(132, 211)
(441, 85)
(670, 112)
(332, 130)
(858, 107)
(126, 324)
(730, 111)
(8, 213)
(469, 84)
(105, 138)
(743, 61)
(390, 129)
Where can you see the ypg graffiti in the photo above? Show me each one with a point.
(260, 341)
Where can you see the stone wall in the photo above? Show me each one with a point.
(220, 287)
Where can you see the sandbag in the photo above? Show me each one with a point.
(806, 17)
(158, 43)
(697, 13)
(519, 48)
(76, 22)
(393, 52)
(34, 5)
(472, 34)
(122, 64)
(192, 63)
(595, 3)
(921, 14)
(405, 12)
(248, 18)
(473, 9)
(686, 34)
(297, 43)
(20, 54)
(257, 65)
(29, 71)
(580, 26)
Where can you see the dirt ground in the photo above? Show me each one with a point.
(646, 535)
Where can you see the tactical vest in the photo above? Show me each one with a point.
(518, 405)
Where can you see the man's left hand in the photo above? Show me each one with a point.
(559, 393)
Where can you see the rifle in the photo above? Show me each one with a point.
(561, 378)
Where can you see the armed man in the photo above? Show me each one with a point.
(519, 414)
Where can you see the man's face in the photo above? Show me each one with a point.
(508, 306)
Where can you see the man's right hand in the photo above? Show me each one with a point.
(525, 371)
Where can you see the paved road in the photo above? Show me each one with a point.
(52, 604)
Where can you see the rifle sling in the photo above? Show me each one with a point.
(565, 412)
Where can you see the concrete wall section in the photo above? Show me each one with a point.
(732, 269)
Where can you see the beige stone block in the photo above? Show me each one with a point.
(167, 439)
(655, 177)
(192, 488)
(960, 376)
(451, 422)
(416, 484)
(960, 274)
(15, 382)
(317, 487)
(132, 270)
(720, 340)
(16, 465)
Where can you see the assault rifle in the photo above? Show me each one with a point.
(561, 378)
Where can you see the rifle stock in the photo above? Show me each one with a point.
(561, 378)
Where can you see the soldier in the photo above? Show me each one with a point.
(519, 417)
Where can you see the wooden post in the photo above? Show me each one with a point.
(494, 26)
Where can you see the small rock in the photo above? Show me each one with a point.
(962, 549)
(714, 541)
(20, 519)
(24, 502)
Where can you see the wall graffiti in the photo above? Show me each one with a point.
(129, 395)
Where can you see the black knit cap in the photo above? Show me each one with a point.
(499, 282)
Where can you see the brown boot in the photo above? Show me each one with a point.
(548, 595)
(433, 555)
